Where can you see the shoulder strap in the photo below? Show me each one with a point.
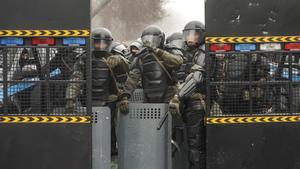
(163, 67)
(112, 74)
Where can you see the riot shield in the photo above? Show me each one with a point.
(141, 144)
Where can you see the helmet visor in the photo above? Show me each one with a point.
(151, 40)
(177, 43)
(191, 36)
(101, 45)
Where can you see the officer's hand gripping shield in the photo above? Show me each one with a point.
(141, 144)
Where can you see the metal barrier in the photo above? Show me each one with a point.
(35, 72)
(141, 145)
(253, 79)
(137, 96)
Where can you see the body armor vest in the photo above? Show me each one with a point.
(155, 79)
(185, 68)
(101, 79)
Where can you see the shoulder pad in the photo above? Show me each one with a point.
(175, 51)
(202, 48)
(121, 57)
(170, 46)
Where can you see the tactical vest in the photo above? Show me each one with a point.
(155, 80)
(185, 68)
(101, 79)
(120, 74)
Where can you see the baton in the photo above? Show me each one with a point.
(163, 120)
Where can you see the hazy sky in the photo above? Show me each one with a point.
(179, 12)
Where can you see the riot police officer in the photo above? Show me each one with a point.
(241, 98)
(135, 46)
(108, 71)
(30, 68)
(175, 41)
(155, 68)
(103, 66)
(179, 150)
(117, 48)
(189, 102)
(61, 68)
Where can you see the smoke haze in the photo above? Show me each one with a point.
(127, 18)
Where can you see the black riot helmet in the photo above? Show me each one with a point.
(194, 33)
(102, 39)
(29, 63)
(153, 36)
(175, 40)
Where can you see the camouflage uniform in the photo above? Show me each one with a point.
(104, 88)
(191, 94)
(158, 86)
(189, 102)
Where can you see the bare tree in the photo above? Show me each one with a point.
(127, 18)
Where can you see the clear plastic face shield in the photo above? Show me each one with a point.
(177, 43)
(101, 45)
(191, 37)
(152, 40)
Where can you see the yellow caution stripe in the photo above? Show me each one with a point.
(44, 33)
(45, 119)
(252, 119)
(253, 39)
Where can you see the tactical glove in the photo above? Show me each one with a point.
(174, 107)
(123, 105)
(114, 61)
